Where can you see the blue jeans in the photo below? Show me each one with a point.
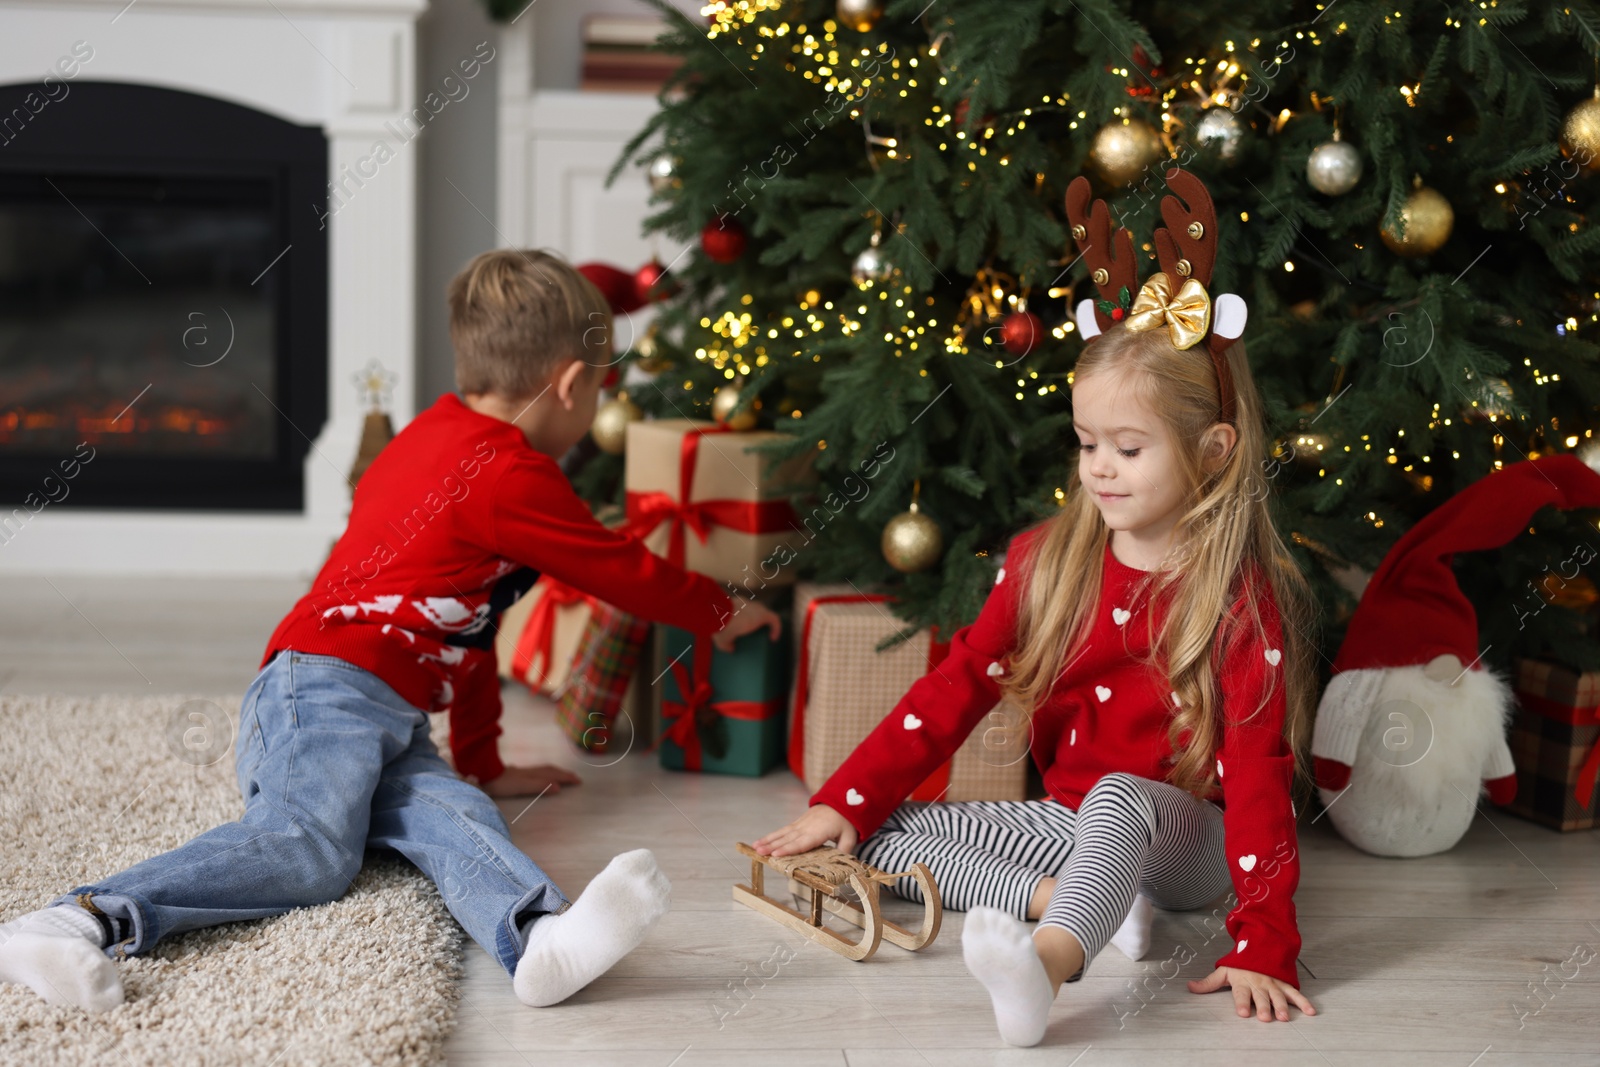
(331, 761)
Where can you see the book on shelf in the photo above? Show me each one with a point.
(619, 55)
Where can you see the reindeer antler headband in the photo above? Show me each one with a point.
(1186, 248)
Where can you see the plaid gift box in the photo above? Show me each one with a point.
(607, 655)
(1555, 743)
(722, 712)
(844, 687)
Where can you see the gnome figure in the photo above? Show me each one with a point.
(1412, 726)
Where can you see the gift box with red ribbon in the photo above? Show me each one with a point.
(844, 687)
(540, 635)
(701, 497)
(1555, 743)
(722, 712)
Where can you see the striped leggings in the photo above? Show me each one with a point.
(1130, 835)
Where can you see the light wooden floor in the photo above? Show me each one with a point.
(1425, 963)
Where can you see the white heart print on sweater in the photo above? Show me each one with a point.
(995, 670)
(1103, 693)
(1274, 655)
(1000, 577)
(854, 799)
(912, 722)
(1247, 863)
(1120, 616)
(1073, 739)
(1240, 946)
(1219, 768)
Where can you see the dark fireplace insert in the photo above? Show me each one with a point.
(163, 300)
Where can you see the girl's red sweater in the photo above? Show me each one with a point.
(1110, 711)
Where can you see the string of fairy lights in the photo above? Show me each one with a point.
(742, 339)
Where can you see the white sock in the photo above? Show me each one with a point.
(999, 952)
(56, 952)
(1134, 936)
(566, 952)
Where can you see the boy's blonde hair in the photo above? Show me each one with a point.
(1226, 530)
(515, 314)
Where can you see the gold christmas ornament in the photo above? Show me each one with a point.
(1122, 150)
(1427, 219)
(610, 426)
(860, 15)
(723, 406)
(651, 361)
(1580, 133)
(912, 541)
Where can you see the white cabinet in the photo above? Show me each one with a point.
(555, 148)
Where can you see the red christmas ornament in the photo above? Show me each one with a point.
(1021, 332)
(723, 239)
(963, 111)
(651, 283)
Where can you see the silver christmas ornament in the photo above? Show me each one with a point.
(871, 265)
(1221, 129)
(1334, 167)
(663, 174)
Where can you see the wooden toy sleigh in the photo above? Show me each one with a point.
(826, 873)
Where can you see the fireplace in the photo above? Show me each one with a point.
(163, 299)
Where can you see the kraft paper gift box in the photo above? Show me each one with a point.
(540, 635)
(1555, 743)
(701, 498)
(844, 688)
(721, 712)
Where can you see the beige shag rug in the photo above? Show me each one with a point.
(91, 785)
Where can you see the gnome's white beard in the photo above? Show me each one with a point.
(1419, 751)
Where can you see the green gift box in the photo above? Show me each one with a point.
(722, 712)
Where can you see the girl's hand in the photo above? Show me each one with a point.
(816, 827)
(529, 781)
(1270, 995)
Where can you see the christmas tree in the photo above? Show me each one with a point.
(883, 266)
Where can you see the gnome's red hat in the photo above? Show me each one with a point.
(1413, 610)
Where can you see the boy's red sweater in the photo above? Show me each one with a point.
(1110, 711)
(456, 519)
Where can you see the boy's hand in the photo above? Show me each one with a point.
(1270, 995)
(816, 827)
(529, 781)
(748, 617)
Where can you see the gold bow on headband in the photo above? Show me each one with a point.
(1187, 315)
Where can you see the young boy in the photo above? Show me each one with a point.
(451, 523)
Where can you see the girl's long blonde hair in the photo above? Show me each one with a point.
(1226, 531)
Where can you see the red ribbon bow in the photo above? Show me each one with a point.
(937, 783)
(648, 510)
(538, 634)
(695, 697)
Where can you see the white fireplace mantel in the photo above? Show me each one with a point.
(347, 66)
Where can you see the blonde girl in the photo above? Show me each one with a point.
(1152, 632)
